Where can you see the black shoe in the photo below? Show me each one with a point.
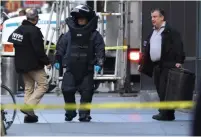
(30, 119)
(69, 117)
(161, 117)
(85, 118)
(28, 112)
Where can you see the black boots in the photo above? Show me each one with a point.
(85, 118)
(162, 117)
(82, 117)
(70, 115)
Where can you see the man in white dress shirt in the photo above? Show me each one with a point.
(162, 50)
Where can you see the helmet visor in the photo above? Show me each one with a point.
(78, 15)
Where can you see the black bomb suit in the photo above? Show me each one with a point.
(79, 50)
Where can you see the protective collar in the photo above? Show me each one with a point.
(91, 25)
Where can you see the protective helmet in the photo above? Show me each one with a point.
(83, 11)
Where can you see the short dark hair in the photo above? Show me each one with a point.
(22, 11)
(161, 12)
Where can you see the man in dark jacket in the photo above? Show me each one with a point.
(30, 59)
(162, 50)
(79, 50)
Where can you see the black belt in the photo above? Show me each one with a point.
(157, 63)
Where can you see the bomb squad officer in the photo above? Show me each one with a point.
(80, 51)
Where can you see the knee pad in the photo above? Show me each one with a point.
(86, 96)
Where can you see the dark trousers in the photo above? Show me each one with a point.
(160, 81)
(84, 87)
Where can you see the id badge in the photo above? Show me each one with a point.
(145, 43)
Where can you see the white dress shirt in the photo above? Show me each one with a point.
(156, 44)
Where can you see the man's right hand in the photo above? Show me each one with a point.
(49, 66)
(138, 67)
(57, 65)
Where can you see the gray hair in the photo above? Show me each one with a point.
(32, 14)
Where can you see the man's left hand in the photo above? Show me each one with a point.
(138, 67)
(97, 68)
(49, 66)
(178, 65)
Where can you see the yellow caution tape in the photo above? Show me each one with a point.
(116, 47)
(125, 105)
(53, 47)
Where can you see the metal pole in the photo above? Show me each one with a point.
(57, 29)
(69, 8)
(48, 47)
(60, 14)
(47, 52)
(48, 27)
(102, 25)
(95, 5)
(119, 39)
(121, 35)
(105, 6)
(65, 5)
(124, 40)
(102, 33)
(3, 129)
(127, 36)
(105, 19)
(57, 20)
(8, 74)
(198, 43)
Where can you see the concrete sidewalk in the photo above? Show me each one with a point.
(113, 122)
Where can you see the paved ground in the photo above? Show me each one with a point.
(111, 122)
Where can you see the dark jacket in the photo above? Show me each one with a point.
(65, 45)
(172, 51)
(29, 48)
